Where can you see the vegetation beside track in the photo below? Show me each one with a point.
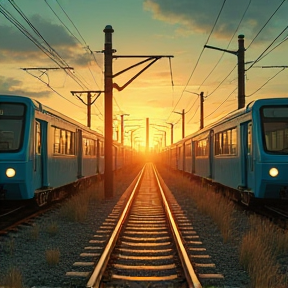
(261, 246)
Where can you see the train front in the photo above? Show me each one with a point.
(16, 148)
(272, 170)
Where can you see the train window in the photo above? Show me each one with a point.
(275, 129)
(101, 148)
(188, 151)
(89, 146)
(225, 142)
(38, 139)
(201, 147)
(249, 139)
(64, 142)
(70, 143)
(57, 140)
(12, 115)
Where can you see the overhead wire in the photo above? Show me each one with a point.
(266, 23)
(265, 83)
(262, 55)
(232, 37)
(198, 60)
(83, 42)
(48, 50)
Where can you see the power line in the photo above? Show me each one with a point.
(262, 55)
(266, 23)
(237, 28)
(198, 60)
(46, 48)
(266, 82)
(221, 103)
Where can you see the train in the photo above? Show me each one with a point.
(42, 151)
(245, 153)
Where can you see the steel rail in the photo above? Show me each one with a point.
(191, 276)
(95, 278)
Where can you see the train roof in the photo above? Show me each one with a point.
(49, 111)
(236, 113)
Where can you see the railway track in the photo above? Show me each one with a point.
(149, 243)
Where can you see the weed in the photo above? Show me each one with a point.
(52, 228)
(9, 246)
(52, 256)
(34, 232)
(13, 278)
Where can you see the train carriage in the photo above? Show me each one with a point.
(42, 150)
(246, 151)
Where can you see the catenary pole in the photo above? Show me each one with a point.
(108, 141)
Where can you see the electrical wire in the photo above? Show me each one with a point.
(198, 60)
(265, 83)
(232, 37)
(262, 55)
(266, 23)
(221, 103)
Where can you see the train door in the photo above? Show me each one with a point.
(193, 157)
(250, 163)
(37, 173)
(211, 154)
(79, 154)
(246, 152)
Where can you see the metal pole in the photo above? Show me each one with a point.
(201, 110)
(183, 123)
(108, 172)
(122, 129)
(89, 109)
(241, 72)
(147, 136)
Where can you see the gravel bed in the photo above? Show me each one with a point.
(28, 255)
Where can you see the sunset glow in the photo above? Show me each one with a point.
(74, 31)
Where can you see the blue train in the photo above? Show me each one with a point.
(42, 151)
(246, 152)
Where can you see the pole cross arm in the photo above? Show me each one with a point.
(153, 59)
(89, 94)
(220, 49)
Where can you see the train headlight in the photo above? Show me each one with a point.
(273, 172)
(10, 172)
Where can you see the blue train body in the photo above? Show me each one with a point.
(41, 149)
(246, 151)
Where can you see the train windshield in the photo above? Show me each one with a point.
(275, 129)
(11, 126)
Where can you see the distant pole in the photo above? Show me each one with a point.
(147, 135)
(183, 123)
(201, 110)
(108, 172)
(122, 127)
(241, 72)
(89, 102)
(171, 124)
(89, 109)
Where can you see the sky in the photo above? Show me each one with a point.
(69, 33)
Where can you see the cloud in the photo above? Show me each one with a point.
(17, 47)
(11, 86)
(199, 16)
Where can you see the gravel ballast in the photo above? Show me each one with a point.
(20, 250)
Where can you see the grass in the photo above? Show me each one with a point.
(259, 250)
(34, 232)
(13, 278)
(9, 246)
(260, 247)
(76, 208)
(52, 256)
(52, 228)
